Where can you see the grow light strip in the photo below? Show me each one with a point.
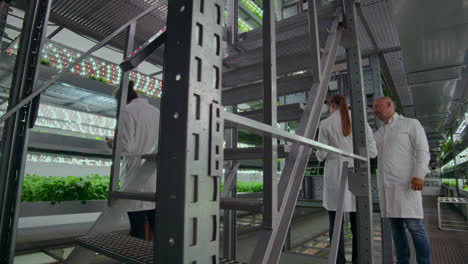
(51, 117)
(41, 158)
(59, 57)
(253, 7)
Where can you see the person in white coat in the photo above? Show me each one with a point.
(336, 131)
(140, 135)
(403, 160)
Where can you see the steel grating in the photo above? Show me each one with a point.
(120, 246)
(292, 47)
(97, 19)
(295, 258)
(380, 13)
(125, 248)
(397, 70)
(244, 63)
(446, 246)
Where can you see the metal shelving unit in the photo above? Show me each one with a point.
(196, 75)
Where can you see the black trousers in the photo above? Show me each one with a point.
(341, 248)
(138, 220)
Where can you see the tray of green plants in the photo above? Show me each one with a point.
(69, 188)
(92, 187)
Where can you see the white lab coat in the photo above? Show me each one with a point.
(403, 154)
(140, 135)
(331, 133)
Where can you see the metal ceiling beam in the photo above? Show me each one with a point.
(383, 62)
(285, 85)
(289, 24)
(287, 64)
(253, 153)
(289, 112)
(435, 75)
(55, 32)
(251, 92)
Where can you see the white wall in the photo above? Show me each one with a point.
(63, 169)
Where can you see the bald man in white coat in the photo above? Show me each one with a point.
(403, 161)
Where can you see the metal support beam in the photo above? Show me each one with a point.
(381, 53)
(279, 10)
(191, 140)
(270, 177)
(435, 75)
(456, 175)
(314, 41)
(230, 216)
(229, 184)
(16, 129)
(266, 130)
(359, 120)
(121, 104)
(386, 231)
(268, 249)
(339, 215)
(233, 24)
(376, 82)
(4, 6)
(133, 59)
(230, 191)
(55, 32)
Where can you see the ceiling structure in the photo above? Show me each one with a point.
(434, 41)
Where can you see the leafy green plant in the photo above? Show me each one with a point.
(449, 182)
(247, 187)
(249, 138)
(45, 62)
(99, 79)
(92, 187)
(447, 146)
(58, 189)
(310, 171)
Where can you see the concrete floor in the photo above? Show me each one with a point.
(308, 223)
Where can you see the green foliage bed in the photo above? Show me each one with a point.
(452, 183)
(92, 187)
(58, 189)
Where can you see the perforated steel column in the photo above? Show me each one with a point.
(4, 5)
(16, 130)
(191, 141)
(386, 231)
(359, 119)
(233, 24)
(230, 216)
(270, 152)
(121, 104)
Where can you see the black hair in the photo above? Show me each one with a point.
(131, 93)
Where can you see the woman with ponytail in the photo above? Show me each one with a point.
(336, 131)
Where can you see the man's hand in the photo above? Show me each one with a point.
(109, 142)
(417, 184)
